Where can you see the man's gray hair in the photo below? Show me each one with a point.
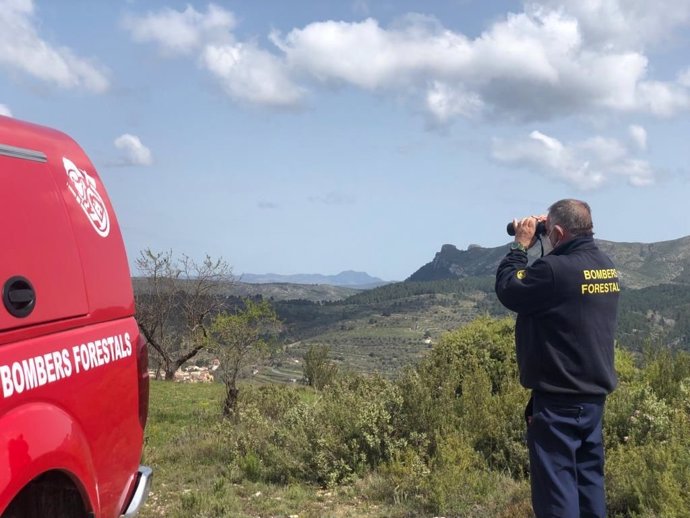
(575, 216)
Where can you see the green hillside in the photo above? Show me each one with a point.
(389, 327)
(383, 329)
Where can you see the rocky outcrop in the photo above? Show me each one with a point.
(639, 264)
(451, 263)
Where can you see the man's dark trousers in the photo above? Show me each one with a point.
(567, 456)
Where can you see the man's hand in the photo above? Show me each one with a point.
(525, 229)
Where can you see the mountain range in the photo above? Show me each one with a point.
(639, 265)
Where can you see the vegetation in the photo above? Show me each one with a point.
(239, 340)
(175, 301)
(402, 290)
(444, 438)
(318, 370)
(387, 328)
(657, 313)
(383, 329)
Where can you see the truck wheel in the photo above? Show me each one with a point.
(51, 494)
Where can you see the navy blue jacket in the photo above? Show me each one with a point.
(566, 305)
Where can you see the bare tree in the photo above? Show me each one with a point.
(241, 340)
(176, 299)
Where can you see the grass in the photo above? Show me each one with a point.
(193, 476)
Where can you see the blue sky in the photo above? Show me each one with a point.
(319, 136)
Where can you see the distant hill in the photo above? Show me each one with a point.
(280, 291)
(276, 291)
(648, 264)
(640, 265)
(348, 278)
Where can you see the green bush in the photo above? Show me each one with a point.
(407, 474)
(635, 414)
(318, 370)
(259, 442)
(461, 484)
(271, 401)
(350, 429)
(649, 480)
(665, 369)
(496, 424)
(353, 428)
(648, 444)
(468, 383)
(625, 365)
(447, 437)
(485, 343)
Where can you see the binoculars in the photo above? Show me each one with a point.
(540, 231)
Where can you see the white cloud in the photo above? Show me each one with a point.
(662, 99)
(638, 135)
(622, 24)
(244, 71)
(4, 110)
(445, 102)
(134, 152)
(248, 73)
(370, 57)
(588, 164)
(182, 32)
(533, 65)
(21, 48)
(554, 59)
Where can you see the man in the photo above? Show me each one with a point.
(566, 304)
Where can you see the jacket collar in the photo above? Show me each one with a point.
(577, 243)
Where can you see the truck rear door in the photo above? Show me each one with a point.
(38, 254)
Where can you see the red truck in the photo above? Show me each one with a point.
(73, 366)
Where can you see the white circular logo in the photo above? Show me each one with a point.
(83, 187)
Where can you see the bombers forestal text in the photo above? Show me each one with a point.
(37, 371)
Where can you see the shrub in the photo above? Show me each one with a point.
(406, 475)
(649, 480)
(271, 401)
(447, 437)
(496, 424)
(349, 430)
(484, 343)
(318, 370)
(625, 365)
(635, 413)
(648, 445)
(469, 383)
(353, 428)
(461, 484)
(665, 369)
(259, 442)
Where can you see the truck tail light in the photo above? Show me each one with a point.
(143, 377)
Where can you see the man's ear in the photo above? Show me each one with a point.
(560, 231)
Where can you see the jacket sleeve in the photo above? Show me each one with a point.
(521, 288)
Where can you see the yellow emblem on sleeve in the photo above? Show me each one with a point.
(521, 274)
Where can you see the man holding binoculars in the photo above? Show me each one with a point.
(566, 304)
